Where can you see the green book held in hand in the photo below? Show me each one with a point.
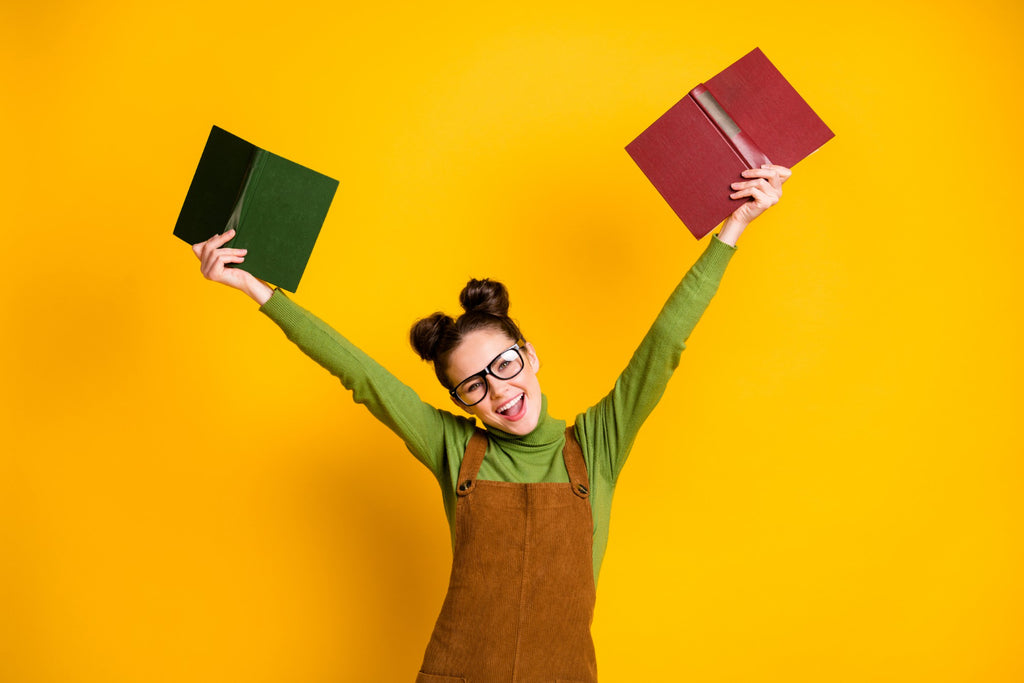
(276, 207)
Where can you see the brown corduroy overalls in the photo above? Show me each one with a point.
(521, 597)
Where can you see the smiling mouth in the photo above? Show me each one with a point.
(514, 409)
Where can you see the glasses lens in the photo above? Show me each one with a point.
(472, 390)
(507, 365)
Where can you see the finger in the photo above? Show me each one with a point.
(217, 270)
(757, 182)
(222, 259)
(210, 253)
(760, 197)
(211, 256)
(782, 172)
(216, 241)
(745, 192)
(770, 188)
(767, 172)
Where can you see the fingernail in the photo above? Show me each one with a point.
(766, 165)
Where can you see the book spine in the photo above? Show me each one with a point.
(238, 212)
(744, 146)
(252, 182)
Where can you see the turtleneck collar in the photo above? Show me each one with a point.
(548, 430)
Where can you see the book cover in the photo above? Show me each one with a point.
(746, 115)
(277, 207)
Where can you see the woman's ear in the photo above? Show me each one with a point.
(531, 356)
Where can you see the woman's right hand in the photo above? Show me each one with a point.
(213, 259)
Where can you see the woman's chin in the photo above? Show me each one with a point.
(521, 428)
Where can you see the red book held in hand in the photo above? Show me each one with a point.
(744, 117)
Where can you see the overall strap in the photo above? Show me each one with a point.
(575, 465)
(471, 462)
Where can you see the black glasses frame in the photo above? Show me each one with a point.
(487, 371)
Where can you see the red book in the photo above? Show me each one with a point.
(746, 116)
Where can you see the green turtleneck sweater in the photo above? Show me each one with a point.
(606, 431)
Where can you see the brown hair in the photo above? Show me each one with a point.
(485, 303)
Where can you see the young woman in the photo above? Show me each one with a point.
(528, 500)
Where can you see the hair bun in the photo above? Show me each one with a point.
(427, 335)
(485, 296)
(486, 305)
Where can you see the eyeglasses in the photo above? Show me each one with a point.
(505, 365)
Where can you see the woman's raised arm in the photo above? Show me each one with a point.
(611, 425)
(423, 428)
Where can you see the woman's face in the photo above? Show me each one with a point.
(511, 405)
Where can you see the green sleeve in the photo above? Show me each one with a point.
(610, 427)
(422, 427)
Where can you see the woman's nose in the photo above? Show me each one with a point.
(499, 387)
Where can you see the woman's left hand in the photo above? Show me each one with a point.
(763, 188)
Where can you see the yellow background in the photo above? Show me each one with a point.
(829, 491)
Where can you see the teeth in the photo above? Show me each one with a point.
(511, 404)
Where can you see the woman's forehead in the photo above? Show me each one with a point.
(477, 349)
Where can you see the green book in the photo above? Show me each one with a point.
(276, 207)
